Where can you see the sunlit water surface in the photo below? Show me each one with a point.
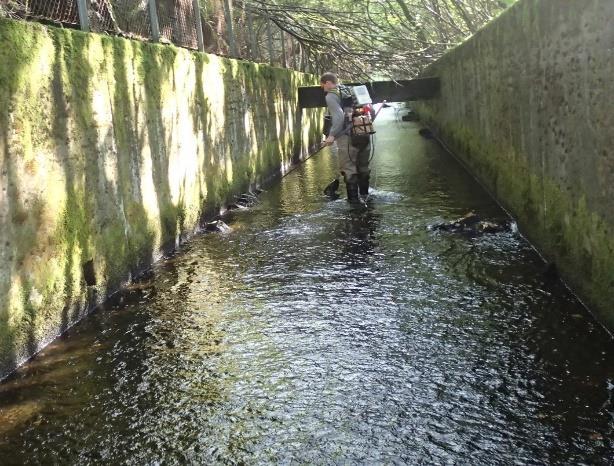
(314, 333)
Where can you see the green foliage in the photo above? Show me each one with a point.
(365, 38)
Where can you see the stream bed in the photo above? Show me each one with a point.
(317, 333)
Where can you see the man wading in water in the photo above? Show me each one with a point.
(353, 151)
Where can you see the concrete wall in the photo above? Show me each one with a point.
(528, 105)
(111, 149)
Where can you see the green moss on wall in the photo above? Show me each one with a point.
(113, 149)
(524, 104)
(566, 230)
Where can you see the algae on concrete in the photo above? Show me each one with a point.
(524, 104)
(112, 150)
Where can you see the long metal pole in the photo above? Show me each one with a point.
(84, 19)
(153, 20)
(199, 25)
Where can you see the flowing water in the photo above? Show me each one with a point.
(313, 333)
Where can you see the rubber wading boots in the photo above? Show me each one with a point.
(351, 184)
(363, 183)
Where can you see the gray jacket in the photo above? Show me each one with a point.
(339, 124)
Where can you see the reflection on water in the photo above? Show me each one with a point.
(319, 333)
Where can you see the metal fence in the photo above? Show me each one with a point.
(214, 26)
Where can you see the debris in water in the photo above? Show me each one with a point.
(217, 226)
(466, 221)
(410, 116)
(426, 133)
(245, 200)
(471, 223)
(236, 206)
(332, 188)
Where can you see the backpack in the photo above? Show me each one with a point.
(360, 121)
(346, 96)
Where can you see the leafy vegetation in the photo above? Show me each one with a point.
(361, 38)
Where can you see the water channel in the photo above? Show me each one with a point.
(313, 333)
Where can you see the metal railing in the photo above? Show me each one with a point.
(236, 32)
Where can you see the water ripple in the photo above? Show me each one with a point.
(318, 333)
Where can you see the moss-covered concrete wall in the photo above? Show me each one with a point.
(527, 103)
(112, 149)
